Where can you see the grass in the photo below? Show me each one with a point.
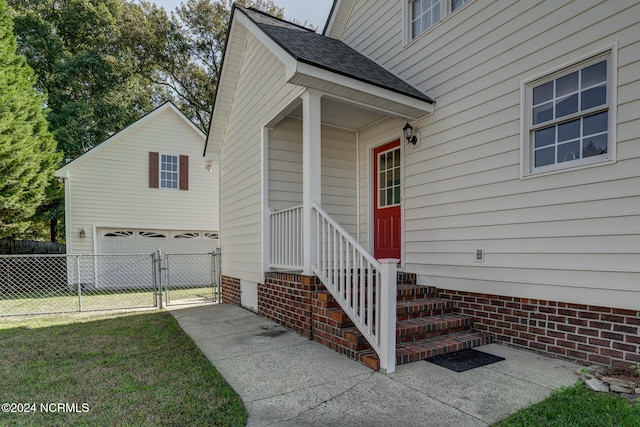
(129, 369)
(577, 406)
(63, 301)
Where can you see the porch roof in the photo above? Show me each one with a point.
(315, 62)
(331, 66)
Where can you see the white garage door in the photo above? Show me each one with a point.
(123, 240)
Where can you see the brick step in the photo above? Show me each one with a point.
(406, 278)
(423, 349)
(341, 345)
(340, 317)
(412, 330)
(411, 352)
(410, 292)
(423, 307)
(404, 292)
(418, 302)
(357, 340)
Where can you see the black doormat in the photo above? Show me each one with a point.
(464, 360)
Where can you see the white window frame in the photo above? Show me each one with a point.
(394, 186)
(161, 182)
(527, 165)
(445, 12)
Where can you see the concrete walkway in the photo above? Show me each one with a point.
(287, 380)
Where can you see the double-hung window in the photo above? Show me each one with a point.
(568, 117)
(424, 14)
(168, 171)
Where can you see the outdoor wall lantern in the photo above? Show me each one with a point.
(408, 134)
(83, 233)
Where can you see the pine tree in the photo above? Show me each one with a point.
(28, 154)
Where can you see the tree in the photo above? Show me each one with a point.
(186, 49)
(27, 148)
(104, 63)
(80, 53)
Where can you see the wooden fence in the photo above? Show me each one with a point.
(23, 247)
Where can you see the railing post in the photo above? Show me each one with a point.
(79, 283)
(159, 269)
(388, 285)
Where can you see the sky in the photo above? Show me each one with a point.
(314, 12)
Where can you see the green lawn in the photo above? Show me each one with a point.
(111, 369)
(63, 302)
(577, 407)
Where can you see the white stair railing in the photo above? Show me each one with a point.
(286, 238)
(364, 287)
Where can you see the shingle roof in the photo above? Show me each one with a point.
(306, 46)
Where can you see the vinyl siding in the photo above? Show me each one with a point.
(338, 161)
(339, 177)
(261, 91)
(566, 236)
(111, 189)
(285, 165)
(381, 134)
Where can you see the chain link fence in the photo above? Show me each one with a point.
(192, 278)
(42, 284)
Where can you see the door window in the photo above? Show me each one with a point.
(389, 178)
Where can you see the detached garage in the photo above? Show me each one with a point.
(147, 187)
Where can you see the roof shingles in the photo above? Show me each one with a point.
(333, 55)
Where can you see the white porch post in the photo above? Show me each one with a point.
(388, 285)
(311, 175)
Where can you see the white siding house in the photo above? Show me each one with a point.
(568, 232)
(147, 187)
(521, 189)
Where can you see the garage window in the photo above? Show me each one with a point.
(169, 171)
(119, 233)
(187, 236)
(152, 234)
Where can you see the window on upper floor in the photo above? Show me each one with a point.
(424, 14)
(569, 117)
(168, 171)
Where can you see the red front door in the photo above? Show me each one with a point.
(386, 211)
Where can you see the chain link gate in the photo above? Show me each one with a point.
(187, 278)
(46, 284)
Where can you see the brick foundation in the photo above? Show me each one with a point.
(583, 333)
(287, 300)
(230, 290)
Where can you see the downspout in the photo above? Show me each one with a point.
(66, 181)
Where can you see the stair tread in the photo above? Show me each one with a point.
(433, 343)
(419, 301)
(420, 322)
(414, 286)
(423, 349)
(430, 320)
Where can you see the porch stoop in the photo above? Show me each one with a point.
(426, 326)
